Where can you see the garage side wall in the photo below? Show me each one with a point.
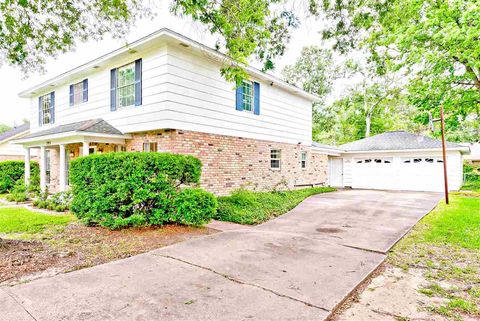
(397, 178)
(231, 162)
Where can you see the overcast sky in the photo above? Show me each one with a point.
(12, 81)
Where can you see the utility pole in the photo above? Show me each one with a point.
(444, 152)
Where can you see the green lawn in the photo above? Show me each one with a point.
(21, 220)
(445, 246)
(247, 207)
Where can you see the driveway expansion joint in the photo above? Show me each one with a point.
(365, 249)
(242, 282)
(14, 298)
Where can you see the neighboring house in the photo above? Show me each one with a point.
(165, 93)
(9, 150)
(474, 156)
(397, 160)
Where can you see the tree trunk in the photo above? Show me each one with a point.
(368, 123)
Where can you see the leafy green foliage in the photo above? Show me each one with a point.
(131, 189)
(18, 193)
(59, 202)
(433, 45)
(246, 28)
(21, 220)
(32, 30)
(247, 207)
(4, 128)
(194, 206)
(472, 177)
(12, 172)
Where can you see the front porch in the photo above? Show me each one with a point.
(59, 145)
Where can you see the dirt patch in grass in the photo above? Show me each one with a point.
(75, 246)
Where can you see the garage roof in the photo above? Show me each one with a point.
(396, 140)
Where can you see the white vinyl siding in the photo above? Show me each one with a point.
(181, 90)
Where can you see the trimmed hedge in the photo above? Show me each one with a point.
(117, 190)
(12, 172)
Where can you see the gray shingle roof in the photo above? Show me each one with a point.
(89, 126)
(14, 131)
(395, 140)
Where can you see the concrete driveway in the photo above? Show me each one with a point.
(299, 266)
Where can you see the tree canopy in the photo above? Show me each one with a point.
(434, 44)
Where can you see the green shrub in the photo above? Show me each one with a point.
(12, 172)
(129, 189)
(248, 207)
(471, 177)
(194, 206)
(18, 193)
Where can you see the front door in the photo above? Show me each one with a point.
(336, 172)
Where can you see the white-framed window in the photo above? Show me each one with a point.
(150, 147)
(126, 85)
(275, 158)
(303, 159)
(46, 110)
(121, 148)
(78, 93)
(247, 95)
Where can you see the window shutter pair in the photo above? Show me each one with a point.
(84, 92)
(138, 85)
(256, 98)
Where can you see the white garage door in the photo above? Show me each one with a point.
(399, 173)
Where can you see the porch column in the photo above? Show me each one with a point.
(63, 168)
(86, 148)
(27, 166)
(43, 168)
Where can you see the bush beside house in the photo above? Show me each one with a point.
(12, 173)
(117, 190)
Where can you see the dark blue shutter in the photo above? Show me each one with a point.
(52, 107)
(85, 90)
(113, 89)
(256, 98)
(40, 111)
(239, 98)
(138, 82)
(71, 95)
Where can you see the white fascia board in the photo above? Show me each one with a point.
(169, 34)
(330, 152)
(82, 136)
(463, 150)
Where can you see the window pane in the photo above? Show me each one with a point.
(247, 101)
(275, 158)
(78, 93)
(126, 85)
(46, 117)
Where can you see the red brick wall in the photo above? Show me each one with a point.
(233, 162)
(11, 157)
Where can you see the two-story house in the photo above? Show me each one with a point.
(165, 93)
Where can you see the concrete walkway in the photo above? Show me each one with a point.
(299, 266)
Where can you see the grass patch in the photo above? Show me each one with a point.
(471, 186)
(247, 207)
(445, 245)
(21, 220)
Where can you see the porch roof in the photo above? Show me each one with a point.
(86, 128)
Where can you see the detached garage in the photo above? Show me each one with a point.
(397, 161)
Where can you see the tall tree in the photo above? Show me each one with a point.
(435, 43)
(32, 30)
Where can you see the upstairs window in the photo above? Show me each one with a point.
(248, 97)
(46, 109)
(126, 85)
(303, 159)
(150, 147)
(275, 158)
(79, 92)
